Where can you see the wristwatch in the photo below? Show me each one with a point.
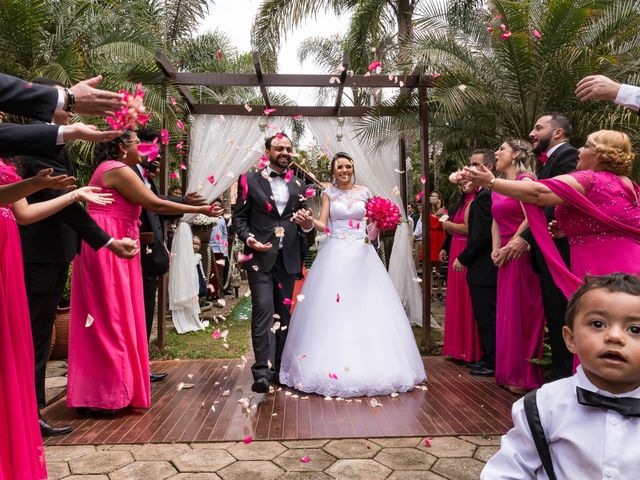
(71, 100)
(490, 184)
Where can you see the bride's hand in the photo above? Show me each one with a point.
(304, 218)
(91, 195)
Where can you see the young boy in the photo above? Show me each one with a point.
(586, 441)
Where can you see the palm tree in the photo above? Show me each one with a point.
(506, 65)
(371, 21)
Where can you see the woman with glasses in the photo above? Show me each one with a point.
(108, 354)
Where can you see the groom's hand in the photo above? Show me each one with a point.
(257, 246)
(304, 218)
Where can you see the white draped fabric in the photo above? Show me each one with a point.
(376, 170)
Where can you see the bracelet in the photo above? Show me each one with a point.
(490, 184)
(71, 100)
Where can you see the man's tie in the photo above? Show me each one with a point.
(627, 406)
(543, 157)
(274, 174)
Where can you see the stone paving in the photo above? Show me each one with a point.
(450, 458)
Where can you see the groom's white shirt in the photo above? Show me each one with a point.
(280, 191)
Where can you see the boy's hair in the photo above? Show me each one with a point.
(614, 282)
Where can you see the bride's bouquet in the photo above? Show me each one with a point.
(383, 214)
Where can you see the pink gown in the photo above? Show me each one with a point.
(519, 312)
(21, 452)
(595, 248)
(461, 338)
(108, 360)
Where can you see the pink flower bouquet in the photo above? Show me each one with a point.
(384, 216)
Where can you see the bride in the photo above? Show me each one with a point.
(349, 336)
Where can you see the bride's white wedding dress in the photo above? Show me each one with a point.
(350, 336)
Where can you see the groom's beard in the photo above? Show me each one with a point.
(281, 161)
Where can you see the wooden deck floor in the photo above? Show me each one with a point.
(455, 404)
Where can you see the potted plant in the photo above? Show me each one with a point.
(60, 349)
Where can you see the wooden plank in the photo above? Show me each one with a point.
(289, 111)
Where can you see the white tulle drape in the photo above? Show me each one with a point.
(376, 170)
(224, 147)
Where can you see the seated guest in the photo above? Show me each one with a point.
(108, 354)
(584, 426)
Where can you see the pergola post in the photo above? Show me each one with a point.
(423, 113)
(164, 180)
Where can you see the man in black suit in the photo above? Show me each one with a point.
(48, 246)
(39, 102)
(271, 219)
(550, 141)
(482, 274)
(154, 254)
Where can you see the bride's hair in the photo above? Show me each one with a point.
(333, 164)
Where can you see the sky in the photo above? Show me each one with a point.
(235, 17)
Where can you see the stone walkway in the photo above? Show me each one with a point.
(452, 458)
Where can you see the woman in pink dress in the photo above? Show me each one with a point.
(21, 451)
(108, 354)
(461, 338)
(597, 210)
(519, 312)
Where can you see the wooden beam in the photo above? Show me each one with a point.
(164, 64)
(343, 77)
(425, 207)
(307, 111)
(294, 80)
(402, 166)
(259, 77)
(163, 298)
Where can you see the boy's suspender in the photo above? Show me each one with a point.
(539, 438)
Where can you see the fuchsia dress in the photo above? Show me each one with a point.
(595, 248)
(519, 312)
(461, 338)
(109, 359)
(21, 452)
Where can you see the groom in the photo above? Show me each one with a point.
(271, 219)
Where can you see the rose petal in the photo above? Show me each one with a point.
(173, 100)
(248, 439)
(269, 111)
(374, 65)
(180, 124)
(89, 321)
(305, 459)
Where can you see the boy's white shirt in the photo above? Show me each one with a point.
(585, 442)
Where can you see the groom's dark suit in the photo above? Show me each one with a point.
(48, 246)
(272, 273)
(562, 160)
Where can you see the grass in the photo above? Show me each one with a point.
(197, 345)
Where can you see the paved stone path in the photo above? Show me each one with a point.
(452, 458)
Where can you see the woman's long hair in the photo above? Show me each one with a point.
(110, 150)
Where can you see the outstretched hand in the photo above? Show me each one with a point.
(478, 175)
(90, 133)
(91, 101)
(43, 179)
(597, 87)
(194, 198)
(258, 246)
(92, 195)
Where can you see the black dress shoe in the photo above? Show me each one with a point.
(95, 412)
(261, 385)
(482, 372)
(474, 365)
(49, 431)
(156, 377)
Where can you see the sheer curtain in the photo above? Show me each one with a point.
(222, 147)
(376, 170)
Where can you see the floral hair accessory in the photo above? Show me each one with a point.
(132, 114)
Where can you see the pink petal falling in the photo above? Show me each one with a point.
(179, 145)
(180, 124)
(288, 175)
(247, 440)
(374, 65)
(269, 206)
(183, 166)
(164, 136)
(333, 376)
(216, 334)
(211, 179)
(309, 192)
(269, 111)
(244, 185)
(262, 162)
(173, 101)
(242, 258)
(219, 55)
(287, 301)
(423, 179)
(149, 150)
(427, 443)
(173, 175)
(337, 297)
(305, 459)
(537, 34)
(506, 35)
(419, 196)
(297, 117)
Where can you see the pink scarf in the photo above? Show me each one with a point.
(564, 279)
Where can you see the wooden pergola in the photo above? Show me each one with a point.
(263, 81)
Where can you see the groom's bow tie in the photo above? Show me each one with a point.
(627, 406)
(274, 174)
